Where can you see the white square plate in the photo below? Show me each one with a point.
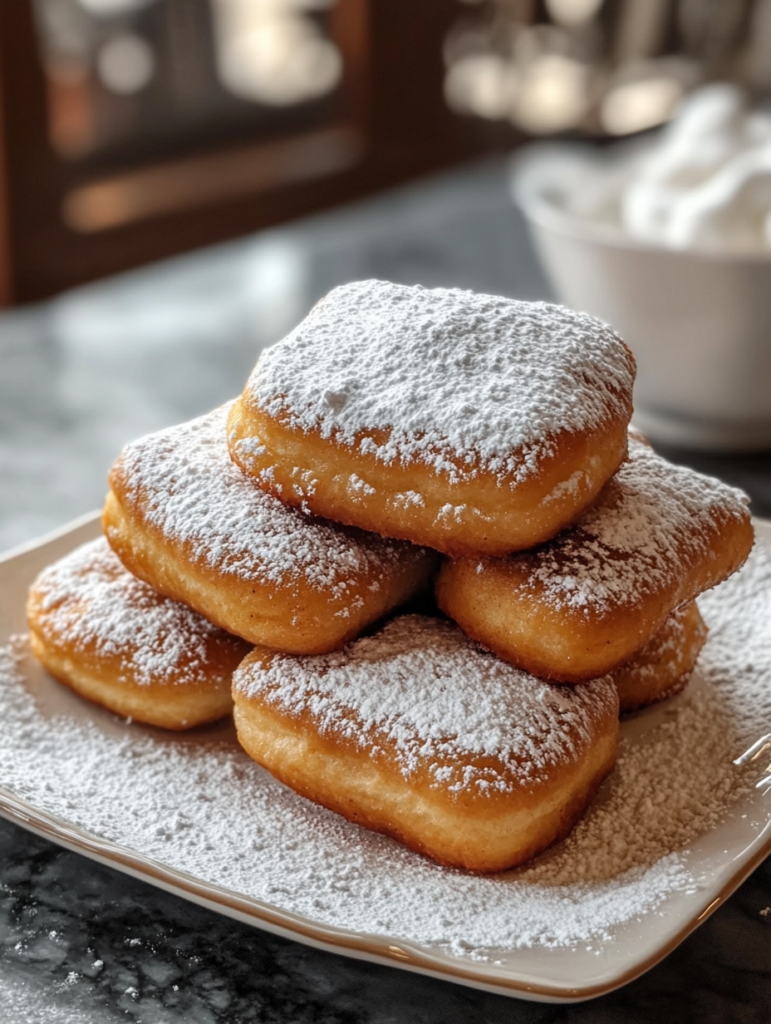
(716, 861)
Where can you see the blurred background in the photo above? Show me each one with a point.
(180, 180)
(136, 129)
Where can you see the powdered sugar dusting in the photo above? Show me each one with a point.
(203, 807)
(651, 522)
(452, 376)
(184, 482)
(88, 600)
(421, 685)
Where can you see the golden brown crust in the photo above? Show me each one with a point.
(475, 511)
(329, 755)
(176, 709)
(663, 666)
(451, 833)
(114, 641)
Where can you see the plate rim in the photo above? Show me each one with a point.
(381, 949)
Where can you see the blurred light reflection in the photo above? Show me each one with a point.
(600, 67)
(272, 52)
(573, 12)
(112, 8)
(126, 64)
(555, 94)
(481, 84)
(635, 106)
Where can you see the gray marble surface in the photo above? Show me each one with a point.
(81, 943)
(81, 375)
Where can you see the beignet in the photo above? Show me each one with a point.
(115, 641)
(182, 517)
(417, 732)
(468, 423)
(583, 603)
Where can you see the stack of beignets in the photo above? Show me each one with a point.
(395, 423)
(201, 547)
(489, 430)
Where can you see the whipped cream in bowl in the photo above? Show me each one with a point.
(668, 239)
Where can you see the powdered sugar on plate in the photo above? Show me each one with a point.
(203, 807)
(451, 376)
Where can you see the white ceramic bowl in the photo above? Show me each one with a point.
(699, 324)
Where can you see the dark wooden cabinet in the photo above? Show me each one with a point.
(163, 184)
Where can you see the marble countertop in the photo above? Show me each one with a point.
(86, 372)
